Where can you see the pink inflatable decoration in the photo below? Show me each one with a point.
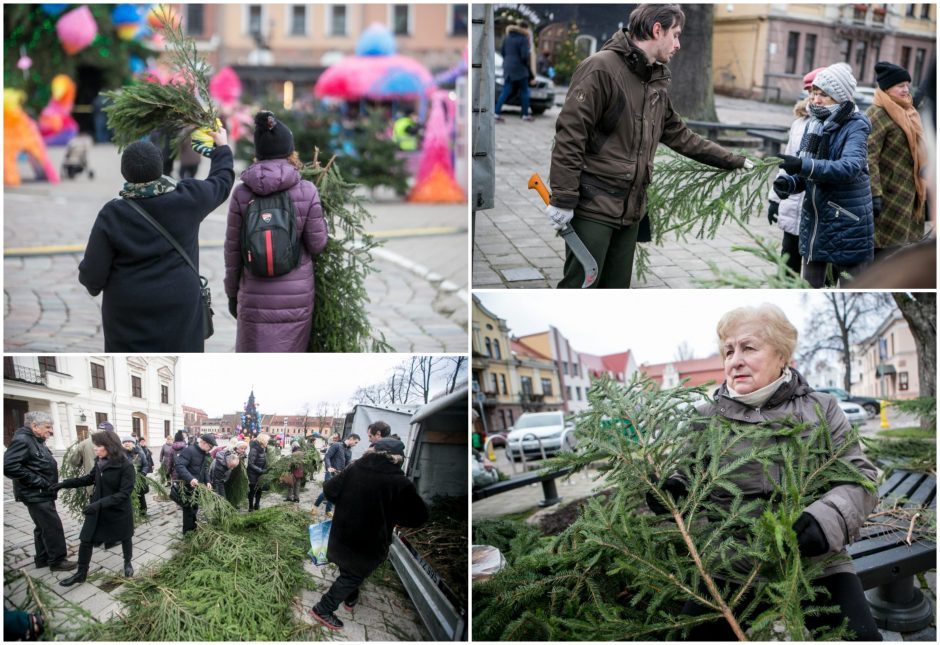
(225, 87)
(357, 77)
(76, 29)
(55, 121)
(435, 179)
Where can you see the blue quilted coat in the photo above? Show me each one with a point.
(837, 225)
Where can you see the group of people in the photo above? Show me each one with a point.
(148, 268)
(852, 188)
(372, 495)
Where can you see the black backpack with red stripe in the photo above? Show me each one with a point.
(270, 240)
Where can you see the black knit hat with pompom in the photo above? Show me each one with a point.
(273, 139)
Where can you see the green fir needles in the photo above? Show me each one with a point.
(341, 312)
(621, 573)
(138, 109)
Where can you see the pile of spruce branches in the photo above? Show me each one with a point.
(622, 573)
(442, 542)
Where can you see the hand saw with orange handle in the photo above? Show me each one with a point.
(588, 263)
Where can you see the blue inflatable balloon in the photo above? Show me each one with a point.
(137, 64)
(125, 14)
(54, 9)
(376, 40)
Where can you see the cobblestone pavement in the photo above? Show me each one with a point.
(385, 612)
(418, 295)
(514, 246)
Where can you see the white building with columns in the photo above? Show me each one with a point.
(138, 395)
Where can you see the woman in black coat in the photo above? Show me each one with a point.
(372, 496)
(151, 299)
(257, 465)
(109, 516)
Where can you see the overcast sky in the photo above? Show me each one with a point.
(283, 383)
(650, 322)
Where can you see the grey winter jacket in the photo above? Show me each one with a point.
(842, 511)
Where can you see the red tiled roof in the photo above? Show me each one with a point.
(617, 362)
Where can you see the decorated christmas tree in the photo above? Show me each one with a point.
(251, 425)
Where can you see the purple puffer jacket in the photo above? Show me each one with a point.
(274, 314)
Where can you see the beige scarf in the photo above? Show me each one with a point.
(902, 112)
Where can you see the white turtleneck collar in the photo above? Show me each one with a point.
(758, 398)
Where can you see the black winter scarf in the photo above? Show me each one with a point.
(815, 142)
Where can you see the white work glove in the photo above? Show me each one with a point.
(748, 164)
(558, 216)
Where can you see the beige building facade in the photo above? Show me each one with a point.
(886, 362)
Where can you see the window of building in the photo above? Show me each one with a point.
(136, 389)
(911, 8)
(135, 425)
(845, 50)
(97, 376)
(512, 421)
(401, 23)
(489, 347)
(337, 20)
(793, 49)
(166, 428)
(919, 65)
(574, 369)
(905, 57)
(495, 385)
(47, 364)
(164, 394)
(457, 23)
(255, 19)
(568, 393)
(502, 379)
(100, 417)
(298, 20)
(564, 368)
(861, 56)
(925, 11)
(902, 381)
(195, 19)
(578, 392)
(496, 350)
(526, 385)
(502, 418)
(547, 386)
(809, 52)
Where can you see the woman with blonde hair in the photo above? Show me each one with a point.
(257, 465)
(757, 345)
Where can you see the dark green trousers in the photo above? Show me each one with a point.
(613, 250)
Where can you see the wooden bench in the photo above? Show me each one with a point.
(774, 140)
(885, 563)
(547, 479)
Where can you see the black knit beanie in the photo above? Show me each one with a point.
(141, 162)
(888, 74)
(273, 139)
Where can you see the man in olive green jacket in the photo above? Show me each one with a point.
(616, 113)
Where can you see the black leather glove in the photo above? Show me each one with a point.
(782, 187)
(56, 486)
(810, 536)
(772, 209)
(876, 206)
(233, 307)
(675, 487)
(790, 164)
(645, 232)
(91, 509)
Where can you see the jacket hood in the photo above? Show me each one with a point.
(270, 176)
(513, 29)
(797, 386)
(799, 110)
(635, 57)
(378, 462)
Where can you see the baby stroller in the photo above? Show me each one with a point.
(76, 157)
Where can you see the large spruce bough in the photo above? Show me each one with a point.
(620, 572)
(137, 110)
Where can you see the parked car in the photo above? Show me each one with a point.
(535, 432)
(541, 96)
(872, 406)
(864, 97)
(853, 412)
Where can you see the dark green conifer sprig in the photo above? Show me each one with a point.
(136, 110)
(620, 572)
(341, 303)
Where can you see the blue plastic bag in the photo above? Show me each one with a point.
(319, 539)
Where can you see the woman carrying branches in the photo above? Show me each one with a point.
(109, 516)
(837, 226)
(757, 344)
